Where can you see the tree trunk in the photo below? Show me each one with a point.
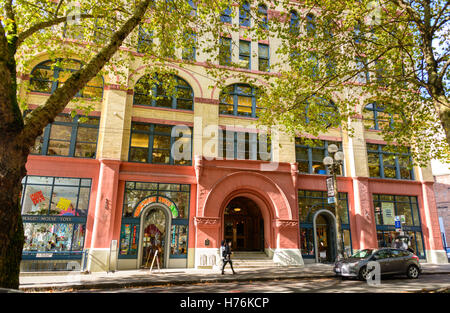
(12, 170)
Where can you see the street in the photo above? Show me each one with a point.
(396, 284)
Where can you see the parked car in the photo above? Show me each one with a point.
(392, 261)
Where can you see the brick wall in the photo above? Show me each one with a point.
(442, 192)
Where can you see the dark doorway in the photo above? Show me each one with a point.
(244, 225)
(326, 238)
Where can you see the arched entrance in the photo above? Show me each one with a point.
(154, 236)
(244, 225)
(325, 236)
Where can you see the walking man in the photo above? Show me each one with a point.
(225, 250)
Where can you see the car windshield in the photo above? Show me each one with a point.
(362, 254)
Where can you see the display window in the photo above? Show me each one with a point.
(386, 208)
(137, 197)
(54, 211)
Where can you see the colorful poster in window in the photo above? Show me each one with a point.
(37, 197)
(66, 207)
(125, 239)
(388, 213)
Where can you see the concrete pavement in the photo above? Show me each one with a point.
(73, 281)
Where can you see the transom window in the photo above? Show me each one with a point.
(239, 100)
(153, 93)
(160, 144)
(385, 164)
(49, 75)
(67, 136)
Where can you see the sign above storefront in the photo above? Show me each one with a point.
(156, 199)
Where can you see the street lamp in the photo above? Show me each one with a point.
(333, 162)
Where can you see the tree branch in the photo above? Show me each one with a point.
(45, 114)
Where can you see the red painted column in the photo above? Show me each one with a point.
(364, 234)
(105, 205)
(429, 218)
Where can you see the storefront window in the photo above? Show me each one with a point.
(139, 195)
(386, 208)
(54, 211)
(310, 202)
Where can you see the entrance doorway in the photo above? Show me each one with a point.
(325, 238)
(244, 225)
(154, 232)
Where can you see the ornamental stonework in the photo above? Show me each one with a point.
(286, 224)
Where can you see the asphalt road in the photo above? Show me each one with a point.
(396, 284)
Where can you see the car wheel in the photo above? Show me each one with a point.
(363, 273)
(412, 272)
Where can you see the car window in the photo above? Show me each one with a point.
(397, 253)
(383, 254)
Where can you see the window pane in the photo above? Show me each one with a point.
(47, 237)
(161, 142)
(307, 241)
(79, 234)
(58, 148)
(85, 150)
(405, 209)
(36, 200)
(64, 201)
(139, 140)
(161, 156)
(138, 155)
(178, 244)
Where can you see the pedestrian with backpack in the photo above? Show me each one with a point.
(225, 251)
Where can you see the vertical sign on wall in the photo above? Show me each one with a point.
(330, 190)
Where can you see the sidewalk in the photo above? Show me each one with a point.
(59, 281)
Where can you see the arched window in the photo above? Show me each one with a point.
(294, 23)
(49, 75)
(244, 14)
(262, 13)
(152, 92)
(375, 117)
(310, 25)
(239, 100)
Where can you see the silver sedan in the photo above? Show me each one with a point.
(391, 261)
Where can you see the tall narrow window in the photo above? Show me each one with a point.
(310, 25)
(244, 15)
(145, 40)
(294, 26)
(362, 75)
(189, 51)
(263, 20)
(244, 54)
(225, 51)
(263, 57)
(376, 118)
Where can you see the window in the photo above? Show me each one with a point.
(244, 54)
(226, 17)
(294, 25)
(375, 117)
(239, 100)
(385, 164)
(263, 20)
(244, 15)
(54, 213)
(310, 25)
(151, 92)
(362, 75)
(189, 51)
(386, 207)
(49, 75)
(225, 51)
(160, 144)
(320, 111)
(145, 40)
(311, 202)
(310, 158)
(175, 196)
(263, 57)
(75, 137)
(244, 146)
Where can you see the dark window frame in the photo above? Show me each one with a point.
(235, 93)
(309, 150)
(261, 58)
(381, 159)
